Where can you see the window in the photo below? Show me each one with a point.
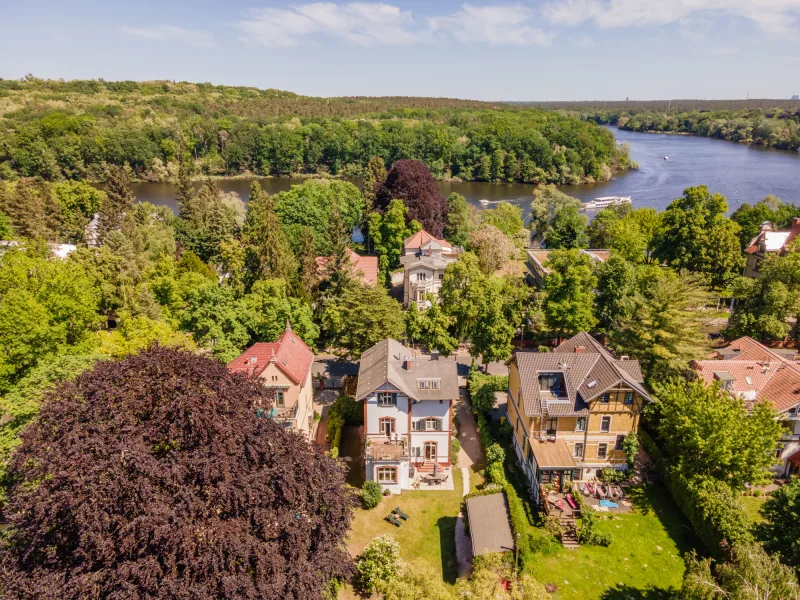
(430, 450)
(430, 424)
(387, 474)
(605, 424)
(386, 426)
(420, 276)
(618, 444)
(279, 399)
(435, 384)
(422, 383)
(428, 384)
(779, 451)
(274, 378)
(604, 398)
(577, 450)
(602, 450)
(387, 399)
(441, 276)
(580, 424)
(628, 398)
(552, 425)
(793, 411)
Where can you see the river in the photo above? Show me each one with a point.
(740, 172)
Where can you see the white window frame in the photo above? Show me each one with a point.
(604, 446)
(381, 426)
(280, 399)
(628, 399)
(605, 398)
(422, 276)
(578, 422)
(382, 398)
(435, 447)
(434, 384)
(575, 447)
(422, 384)
(382, 472)
(428, 422)
(602, 420)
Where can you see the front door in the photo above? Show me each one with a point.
(430, 451)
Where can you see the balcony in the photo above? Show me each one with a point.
(283, 415)
(386, 449)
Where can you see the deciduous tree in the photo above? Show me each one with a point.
(170, 522)
(492, 247)
(569, 292)
(547, 201)
(412, 182)
(567, 229)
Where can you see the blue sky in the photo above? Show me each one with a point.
(544, 50)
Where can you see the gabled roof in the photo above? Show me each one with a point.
(367, 266)
(384, 363)
(289, 353)
(422, 239)
(771, 376)
(588, 369)
(774, 241)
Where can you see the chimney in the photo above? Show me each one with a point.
(434, 355)
(408, 363)
(580, 349)
(795, 221)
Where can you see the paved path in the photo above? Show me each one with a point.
(322, 402)
(463, 541)
(471, 453)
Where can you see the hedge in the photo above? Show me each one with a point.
(344, 411)
(711, 506)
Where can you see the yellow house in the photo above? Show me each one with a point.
(285, 366)
(571, 410)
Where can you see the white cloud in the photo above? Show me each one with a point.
(501, 24)
(168, 33)
(361, 23)
(779, 17)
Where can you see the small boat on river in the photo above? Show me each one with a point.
(606, 201)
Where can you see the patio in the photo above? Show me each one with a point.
(557, 501)
(425, 481)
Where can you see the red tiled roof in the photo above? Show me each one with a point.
(366, 265)
(288, 352)
(421, 238)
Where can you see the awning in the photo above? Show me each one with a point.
(553, 455)
(794, 459)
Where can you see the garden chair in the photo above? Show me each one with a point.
(400, 513)
(394, 520)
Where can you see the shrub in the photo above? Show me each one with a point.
(495, 454)
(455, 447)
(588, 532)
(482, 388)
(611, 476)
(344, 411)
(630, 444)
(377, 565)
(371, 494)
(496, 473)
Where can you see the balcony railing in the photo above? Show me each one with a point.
(387, 449)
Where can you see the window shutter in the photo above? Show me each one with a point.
(394, 399)
(438, 424)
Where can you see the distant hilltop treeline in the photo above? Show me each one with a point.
(74, 129)
(674, 106)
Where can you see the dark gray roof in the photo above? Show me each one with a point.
(588, 369)
(385, 363)
(488, 524)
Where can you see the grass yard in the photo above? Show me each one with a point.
(429, 534)
(752, 505)
(643, 561)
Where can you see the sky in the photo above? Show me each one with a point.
(542, 50)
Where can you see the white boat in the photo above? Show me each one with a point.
(666, 158)
(606, 201)
(486, 202)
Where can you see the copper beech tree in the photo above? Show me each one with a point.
(412, 182)
(154, 477)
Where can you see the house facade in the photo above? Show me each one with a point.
(756, 373)
(424, 259)
(571, 410)
(408, 403)
(285, 366)
(768, 242)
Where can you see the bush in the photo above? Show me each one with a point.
(371, 494)
(611, 476)
(496, 473)
(588, 533)
(482, 388)
(495, 454)
(344, 411)
(630, 444)
(377, 565)
(455, 447)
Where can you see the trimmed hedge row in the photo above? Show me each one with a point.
(713, 509)
(344, 411)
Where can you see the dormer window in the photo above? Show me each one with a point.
(428, 384)
(421, 276)
(552, 383)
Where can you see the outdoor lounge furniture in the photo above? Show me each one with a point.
(582, 488)
(590, 488)
(394, 520)
(400, 513)
(560, 505)
(601, 491)
(571, 501)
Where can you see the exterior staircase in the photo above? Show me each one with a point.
(569, 537)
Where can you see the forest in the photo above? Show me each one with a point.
(71, 130)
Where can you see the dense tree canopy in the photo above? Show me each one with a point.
(267, 517)
(569, 292)
(548, 200)
(412, 182)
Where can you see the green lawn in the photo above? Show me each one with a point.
(429, 534)
(643, 561)
(752, 505)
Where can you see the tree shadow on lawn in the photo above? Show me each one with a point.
(654, 498)
(447, 541)
(626, 592)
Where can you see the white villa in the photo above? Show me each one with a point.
(408, 409)
(424, 260)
